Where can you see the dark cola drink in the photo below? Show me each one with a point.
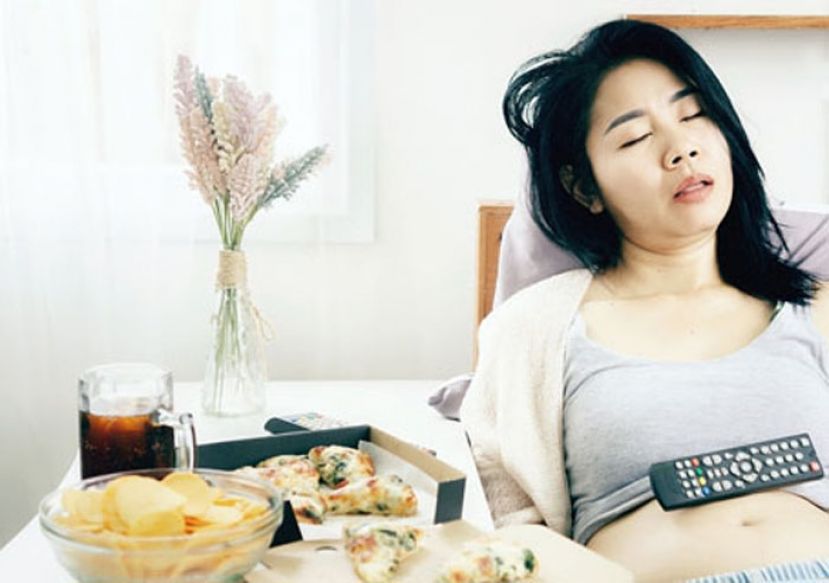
(126, 418)
(114, 443)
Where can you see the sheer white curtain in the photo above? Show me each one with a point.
(102, 244)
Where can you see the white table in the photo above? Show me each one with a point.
(398, 407)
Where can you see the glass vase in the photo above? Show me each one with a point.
(235, 375)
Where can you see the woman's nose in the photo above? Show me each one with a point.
(677, 154)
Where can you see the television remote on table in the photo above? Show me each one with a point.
(726, 473)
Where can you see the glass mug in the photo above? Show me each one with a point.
(127, 421)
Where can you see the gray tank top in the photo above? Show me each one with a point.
(621, 414)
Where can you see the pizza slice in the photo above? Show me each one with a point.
(386, 495)
(339, 466)
(294, 472)
(309, 507)
(298, 481)
(376, 549)
(489, 561)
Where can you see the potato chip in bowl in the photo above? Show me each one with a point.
(162, 526)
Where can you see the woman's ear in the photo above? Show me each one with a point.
(573, 187)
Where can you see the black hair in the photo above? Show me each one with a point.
(547, 108)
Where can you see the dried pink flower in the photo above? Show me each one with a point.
(227, 137)
(246, 182)
(207, 176)
(185, 91)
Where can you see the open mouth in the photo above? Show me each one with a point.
(696, 187)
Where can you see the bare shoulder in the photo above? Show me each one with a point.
(820, 309)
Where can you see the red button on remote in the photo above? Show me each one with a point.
(695, 462)
(814, 465)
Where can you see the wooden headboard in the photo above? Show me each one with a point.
(492, 216)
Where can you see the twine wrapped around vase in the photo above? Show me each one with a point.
(233, 273)
(233, 270)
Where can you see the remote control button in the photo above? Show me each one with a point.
(793, 443)
(784, 445)
(724, 471)
(735, 469)
(775, 474)
(689, 493)
(702, 481)
(804, 441)
(717, 473)
(764, 478)
(706, 460)
(740, 484)
(678, 465)
(778, 459)
(695, 462)
(775, 448)
(798, 456)
(769, 461)
(699, 471)
(794, 470)
(764, 449)
(717, 487)
(687, 463)
(727, 485)
(814, 467)
(706, 491)
(789, 457)
(754, 451)
(698, 492)
(750, 478)
(710, 474)
(682, 475)
(745, 467)
(741, 455)
(784, 472)
(728, 455)
(686, 484)
(758, 465)
(804, 468)
(717, 458)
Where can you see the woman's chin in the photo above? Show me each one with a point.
(705, 213)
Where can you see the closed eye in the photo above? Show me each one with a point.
(700, 113)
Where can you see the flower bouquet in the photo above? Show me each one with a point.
(227, 137)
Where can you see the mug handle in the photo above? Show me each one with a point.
(185, 437)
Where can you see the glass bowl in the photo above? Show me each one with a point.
(219, 554)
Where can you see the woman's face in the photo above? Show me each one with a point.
(646, 137)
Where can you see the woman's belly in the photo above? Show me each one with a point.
(739, 533)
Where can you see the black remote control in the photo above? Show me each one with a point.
(726, 473)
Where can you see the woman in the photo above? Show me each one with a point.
(686, 331)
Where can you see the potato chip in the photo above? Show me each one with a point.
(84, 505)
(198, 494)
(142, 501)
(112, 519)
(69, 521)
(223, 515)
(163, 523)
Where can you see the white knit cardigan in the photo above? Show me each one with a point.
(513, 409)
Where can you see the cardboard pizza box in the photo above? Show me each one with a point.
(448, 482)
(559, 558)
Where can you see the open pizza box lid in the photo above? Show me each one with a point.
(445, 483)
(559, 558)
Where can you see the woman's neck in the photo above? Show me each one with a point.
(682, 270)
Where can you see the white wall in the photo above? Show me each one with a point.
(403, 306)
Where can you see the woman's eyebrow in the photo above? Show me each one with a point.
(684, 92)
